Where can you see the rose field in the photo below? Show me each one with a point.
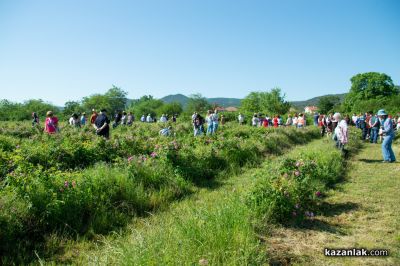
(140, 198)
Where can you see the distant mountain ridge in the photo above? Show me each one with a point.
(314, 101)
(226, 102)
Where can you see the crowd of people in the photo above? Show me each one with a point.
(379, 127)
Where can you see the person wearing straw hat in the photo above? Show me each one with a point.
(388, 135)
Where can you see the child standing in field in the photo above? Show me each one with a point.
(241, 119)
(51, 123)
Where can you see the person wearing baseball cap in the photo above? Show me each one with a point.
(388, 135)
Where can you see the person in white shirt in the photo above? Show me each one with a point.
(124, 118)
(163, 119)
(143, 118)
(255, 120)
(295, 120)
(241, 119)
(149, 119)
(215, 118)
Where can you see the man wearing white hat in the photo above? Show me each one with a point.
(388, 135)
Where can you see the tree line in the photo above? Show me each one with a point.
(369, 92)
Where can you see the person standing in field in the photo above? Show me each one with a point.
(198, 125)
(301, 121)
(93, 116)
(215, 119)
(51, 123)
(223, 120)
(102, 124)
(209, 120)
(275, 121)
(74, 120)
(83, 119)
(363, 126)
(388, 135)
(130, 120)
(241, 119)
(374, 124)
(124, 118)
(295, 120)
(316, 116)
(289, 121)
(35, 119)
(266, 121)
(149, 119)
(341, 131)
(254, 120)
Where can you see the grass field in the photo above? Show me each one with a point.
(361, 212)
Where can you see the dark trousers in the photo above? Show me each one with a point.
(364, 132)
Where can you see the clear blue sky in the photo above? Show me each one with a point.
(64, 50)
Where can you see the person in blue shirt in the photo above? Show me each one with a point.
(388, 136)
(316, 116)
(363, 126)
(374, 125)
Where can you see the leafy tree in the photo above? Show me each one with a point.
(197, 103)
(272, 102)
(71, 107)
(114, 99)
(23, 111)
(367, 86)
(326, 103)
(146, 105)
(170, 108)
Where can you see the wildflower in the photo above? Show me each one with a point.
(286, 193)
(73, 183)
(285, 175)
(318, 194)
(294, 214)
(297, 164)
(312, 214)
(297, 173)
(203, 262)
(130, 158)
(17, 147)
(297, 206)
(153, 154)
(66, 183)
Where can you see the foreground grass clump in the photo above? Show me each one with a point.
(290, 190)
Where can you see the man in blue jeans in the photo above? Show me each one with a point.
(375, 124)
(388, 132)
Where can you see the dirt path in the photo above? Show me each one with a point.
(362, 212)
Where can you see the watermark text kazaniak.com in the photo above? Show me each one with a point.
(355, 252)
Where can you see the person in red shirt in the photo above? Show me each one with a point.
(93, 116)
(275, 121)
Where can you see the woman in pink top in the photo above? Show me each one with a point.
(51, 123)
